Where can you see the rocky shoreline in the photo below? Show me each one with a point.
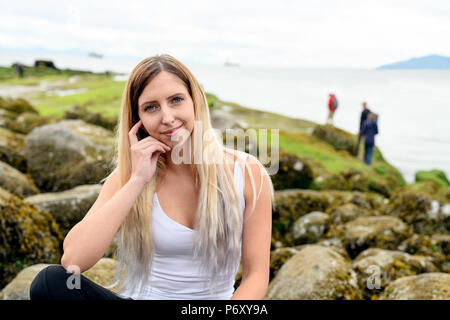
(345, 235)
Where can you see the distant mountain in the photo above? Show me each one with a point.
(427, 62)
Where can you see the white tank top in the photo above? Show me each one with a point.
(175, 273)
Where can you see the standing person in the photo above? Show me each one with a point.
(332, 106)
(364, 114)
(181, 224)
(369, 130)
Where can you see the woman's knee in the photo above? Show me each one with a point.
(45, 279)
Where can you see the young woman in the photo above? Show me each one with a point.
(184, 226)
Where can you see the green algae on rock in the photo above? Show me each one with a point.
(27, 236)
(315, 272)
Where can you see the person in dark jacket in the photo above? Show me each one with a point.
(364, 114)
(369, 130)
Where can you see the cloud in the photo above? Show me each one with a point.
(271, 33)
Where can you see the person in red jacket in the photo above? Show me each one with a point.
(332, 106)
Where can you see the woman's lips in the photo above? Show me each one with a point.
(172, 132)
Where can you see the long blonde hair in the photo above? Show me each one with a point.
(219, 219)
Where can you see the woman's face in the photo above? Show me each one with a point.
(165, 104)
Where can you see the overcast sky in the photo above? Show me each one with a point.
(283, 33)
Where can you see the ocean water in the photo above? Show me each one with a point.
(413, 105)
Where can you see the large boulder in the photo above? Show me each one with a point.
(27, 236)
(67, 207)
(376, 268)
(12, 150)
(381, 232)
(426, 286)
(315, 273)
(68, 153)
(102, 273)
(16, 182)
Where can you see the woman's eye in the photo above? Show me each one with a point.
(145, 109)
(177, 99)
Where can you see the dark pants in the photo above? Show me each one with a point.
(51, 284)
(368, 151)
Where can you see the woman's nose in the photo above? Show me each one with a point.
(167, 115)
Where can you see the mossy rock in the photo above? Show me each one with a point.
(310, 227)
(419, 210)
(376, 268)
(17, 106)
(437, 176)
(67, 207)
(292, 204)
(293, 172)
(425, 286)
(364, 232)
(27, 237)
(19, 184)
(12, 149)
(68, 153)
(337, 138)
(347, 212)
(27, 121)
(315, 272)
(77, 112)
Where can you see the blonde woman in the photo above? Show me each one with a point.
(183, 226)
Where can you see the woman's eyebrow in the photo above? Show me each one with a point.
(168, 98)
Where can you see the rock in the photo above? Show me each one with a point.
(310, 227)
(420, 211)
(315, 273)
(293, 172)
(348, 212)
(292, 204)
(426, 286)
(11, 149)
(27, 121)
(67, 207)
(436, 176)
(381, 232)
(278, 258)
(68, 153)
(222, 120)
(339, 139)
(17, 106)
(19, 287)
(27, 236)
(102, 273)
(16, 182)
(376, 268)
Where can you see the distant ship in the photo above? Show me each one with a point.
(95, 55)
(231, 64)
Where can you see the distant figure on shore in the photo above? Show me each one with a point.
(19, 69)
(369, 130)
(332, 106)
(364, 114)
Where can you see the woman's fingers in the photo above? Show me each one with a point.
(132, 135)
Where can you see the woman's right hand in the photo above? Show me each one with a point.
(144, 154)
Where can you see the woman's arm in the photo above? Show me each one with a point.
(89, 239)
(256, 238)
